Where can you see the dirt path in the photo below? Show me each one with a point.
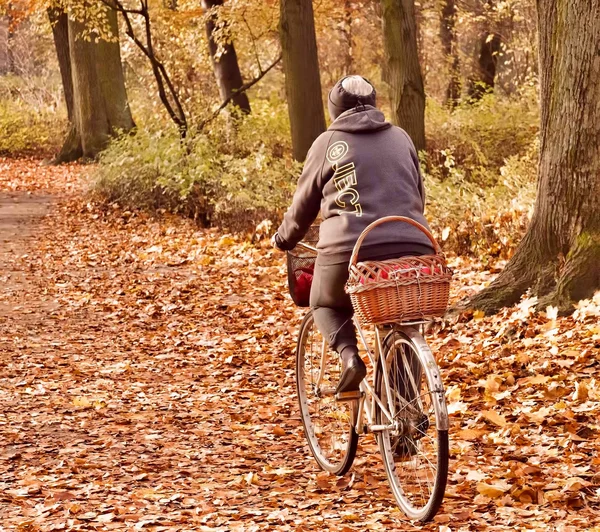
(20, 215)
(147, 383)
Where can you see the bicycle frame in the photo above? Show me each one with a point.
(369, 400)
(395, 402)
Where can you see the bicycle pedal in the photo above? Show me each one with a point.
(348, 396)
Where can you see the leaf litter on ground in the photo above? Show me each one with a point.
(148, 383)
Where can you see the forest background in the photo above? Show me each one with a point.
(147, 362)
(478, 60)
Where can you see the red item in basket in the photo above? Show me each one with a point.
(398, 269)
(304, 278)
(407, 270)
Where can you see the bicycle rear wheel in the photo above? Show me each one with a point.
(328, 424)
(415, 453)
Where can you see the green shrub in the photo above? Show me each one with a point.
(234, 174)
(24, 129)
(239, 171)
(484, 221)
(475, 140)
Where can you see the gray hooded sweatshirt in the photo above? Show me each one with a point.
(361, 169)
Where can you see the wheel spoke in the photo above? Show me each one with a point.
(414, 456)
(327, 423)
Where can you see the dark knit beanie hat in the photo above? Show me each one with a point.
(341, 99)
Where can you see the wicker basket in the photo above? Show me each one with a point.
(301, 267)
(403, 289)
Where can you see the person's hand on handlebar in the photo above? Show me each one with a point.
(275, 242)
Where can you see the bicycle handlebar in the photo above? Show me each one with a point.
(306, 247)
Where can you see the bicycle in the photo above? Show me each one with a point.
(401, 401)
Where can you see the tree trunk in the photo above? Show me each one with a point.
(407, 94)
(346, 31)
(71, 149)
(225, 64)
(91, 119)
(559, 256)
(485, 78)
(95, 87)
(112, 80)
(302, 81)
(4, 62)
(60, 31)
(450, 47)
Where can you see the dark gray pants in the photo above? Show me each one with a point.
(331, 306)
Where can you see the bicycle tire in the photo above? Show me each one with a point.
(328, 424)
(406, 455)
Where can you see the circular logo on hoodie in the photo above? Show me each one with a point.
(336, 151)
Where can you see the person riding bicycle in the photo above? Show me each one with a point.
(361, 169)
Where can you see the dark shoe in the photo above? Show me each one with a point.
(353, 372)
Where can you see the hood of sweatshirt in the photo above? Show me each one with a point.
(360, 119)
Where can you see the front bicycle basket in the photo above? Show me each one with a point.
(301, 267)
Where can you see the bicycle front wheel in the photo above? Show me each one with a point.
(415, 450)
(328, 424)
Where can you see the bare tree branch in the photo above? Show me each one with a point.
(161, 76)
(254, 39)
(243, 88)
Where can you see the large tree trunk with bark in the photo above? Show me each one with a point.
(302, 81)
(59, 22)
(559, 257)
(112, 79)
(225, 64)
(71, 149)
(90, 115)
(94, 86)
(403, 71)
(450, 47)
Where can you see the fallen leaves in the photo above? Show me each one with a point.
(494, 418)
(493, 491)
(148, 383)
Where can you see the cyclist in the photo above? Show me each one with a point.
(359, 170)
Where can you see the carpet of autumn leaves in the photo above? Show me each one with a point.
(147, 384)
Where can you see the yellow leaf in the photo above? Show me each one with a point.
(251, 478)
(475, 475)
(539, 379)
(493, 491)
(575, 484)
(453, 393)
(581, 392)
(226, 241)
(478, 315)
(82, 401)
(540, 415)
(492, 383)
(495, 418)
